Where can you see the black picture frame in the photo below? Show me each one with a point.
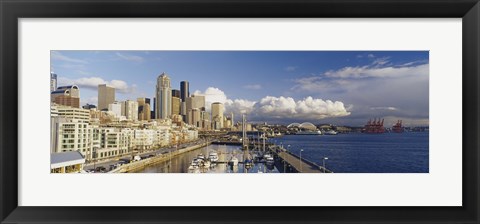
(12, 10)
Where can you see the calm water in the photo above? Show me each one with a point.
(364, 153)
(181, 163)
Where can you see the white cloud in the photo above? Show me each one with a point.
(290, 68)
(381, 61)
(383, 108)
(130, 57)
(305, 109)
(93, 82)
(212, 95)
(271, 107)
(56, 55)
(377, 72)
(253, 86)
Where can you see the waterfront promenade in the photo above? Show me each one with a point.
(155, 153)
(136, 165)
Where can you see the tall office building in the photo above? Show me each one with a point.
(130, 110)
(217, 115)
(176, 93)
(53, 82)
(154, 109)
(106, 96)
(194, 117)
(164, 97)
(184, 94)
(176, 105)
(144, 113)
(184, 91)
(195, 101)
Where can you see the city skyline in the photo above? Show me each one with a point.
(345, 88)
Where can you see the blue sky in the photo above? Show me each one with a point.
(341, 87)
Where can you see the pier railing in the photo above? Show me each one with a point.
(321, 168)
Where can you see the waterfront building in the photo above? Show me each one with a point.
(164, 97)
(53, 82)
(176, 93)
(176, 105)
(106, 96)
(113, 142)
(115, 108)
(144, 139)
(184, 90)
(177, 119)
(73, 135)
(66, 162)
(130, 110)
(144, 109)
(79, 114)
(217, 115)
(66, 95)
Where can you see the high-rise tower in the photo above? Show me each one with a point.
(164, 97)
(184, 91)
(106, 96)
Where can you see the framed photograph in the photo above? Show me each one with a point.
(227, 111)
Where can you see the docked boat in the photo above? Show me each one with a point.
(269, 160)
(201, 156)
(213, 156)
(206, 164)
(233, 161)
(309, 132)
(330, 132)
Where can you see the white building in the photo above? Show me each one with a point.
(130, 110)
(144, 139)
(80, 114)
(116, 108)
(73, 135)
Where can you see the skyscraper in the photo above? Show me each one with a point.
(153, 113)
(53, 82)
(106, 96)
(144, 113)
(176, 93)
(217, 115)
(176, 105)
(184, 91)
(130, 110)
(164, 97)
(195, 101)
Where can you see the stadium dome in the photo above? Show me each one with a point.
(308, 126)
(292, 125)
(304, 125)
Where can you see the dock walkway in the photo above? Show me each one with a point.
(300, 166)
